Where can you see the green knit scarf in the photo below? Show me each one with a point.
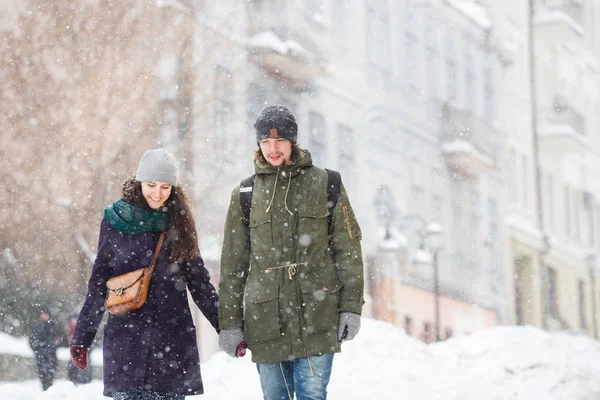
(132, 219)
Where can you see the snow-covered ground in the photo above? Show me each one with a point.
(384, 363)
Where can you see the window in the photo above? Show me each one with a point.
(597, 225)
(488, 93)
(411, 57)
(345, 139)
(340, 11)
(552, 297)
(378, 41)
(316, 138)
(512, 169)
(525, 183)
(431, 60)
(313, 7)
(222, 116)
(582, 308)
(431, 71)
(567, 211)
(290, 104)
(451, 70)
(470, 100)
(577, 196)
(550, 200)
(223, 92)
(451, 79)
(256, 101)
(437, 211)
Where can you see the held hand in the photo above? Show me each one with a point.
(230, 339)
(348, 327)
(79, 355)
(240, 351)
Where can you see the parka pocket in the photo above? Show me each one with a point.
(320, 307)
(261, 313)
(312, 226)
(261, 232)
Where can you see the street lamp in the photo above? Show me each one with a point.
(433, 233)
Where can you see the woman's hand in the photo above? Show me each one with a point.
(79, 355)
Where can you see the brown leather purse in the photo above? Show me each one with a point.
(128, 291)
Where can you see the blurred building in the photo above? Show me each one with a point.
(401, 98)
(552, 88)
(432, 110)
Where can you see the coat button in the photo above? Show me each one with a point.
(257, 297)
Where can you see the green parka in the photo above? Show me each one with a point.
(278, 278)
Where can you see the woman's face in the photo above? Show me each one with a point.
(156, 193)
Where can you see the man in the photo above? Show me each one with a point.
(287, 289)
(44, 338)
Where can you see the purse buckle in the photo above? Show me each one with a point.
(120, 290)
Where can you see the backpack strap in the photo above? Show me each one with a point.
(334, 184)
(246, 187)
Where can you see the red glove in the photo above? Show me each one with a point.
(240, 351)
(79, 355)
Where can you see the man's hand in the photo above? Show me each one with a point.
(348, 327)
(230, 339)
(79, 355)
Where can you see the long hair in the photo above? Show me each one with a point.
(181, 236)
(261, 160)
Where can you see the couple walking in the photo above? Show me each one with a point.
(291, 282)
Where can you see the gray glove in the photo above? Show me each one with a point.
(229, 339)
(348, 327)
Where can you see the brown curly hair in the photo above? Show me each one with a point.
(181, 236)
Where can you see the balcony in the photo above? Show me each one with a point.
(469, 143)
(562, 127)
(285, 59)
(573, 9)
(569, 14)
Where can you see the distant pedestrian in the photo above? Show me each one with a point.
(74, 374)
(150, 352)
(45, 337)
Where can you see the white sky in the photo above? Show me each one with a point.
(384, 363)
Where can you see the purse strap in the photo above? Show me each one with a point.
(155, 257)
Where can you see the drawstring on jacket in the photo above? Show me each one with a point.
(286, 194)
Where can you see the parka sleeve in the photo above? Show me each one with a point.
(348, 255)
(235, 261)
(202, 290)
(93, 308)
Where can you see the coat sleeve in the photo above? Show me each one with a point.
(348, 255)
(202, 290)
(93, 308)
(235, 261)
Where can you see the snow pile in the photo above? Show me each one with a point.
(384, 363)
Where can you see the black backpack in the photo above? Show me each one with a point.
(334, 181)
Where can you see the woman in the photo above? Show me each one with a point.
(150, 352)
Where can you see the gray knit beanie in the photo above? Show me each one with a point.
(276, 122)
(157, 166)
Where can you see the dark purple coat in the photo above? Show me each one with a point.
(154, 347)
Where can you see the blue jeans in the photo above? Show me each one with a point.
(306, 377)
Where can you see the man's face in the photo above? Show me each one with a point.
(277, 152)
